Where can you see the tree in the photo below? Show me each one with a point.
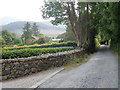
(114, 9)
(27, 33)
(18, 41)
(114, 19)
(107, 24)
(35, 30)
(2, 42)
(108, 19)
(8, 38)
(75, 13)
(68, 35)
(87, 20)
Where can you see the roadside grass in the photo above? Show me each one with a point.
(77, 61)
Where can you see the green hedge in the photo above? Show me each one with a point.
(63, 44)
(7, 54)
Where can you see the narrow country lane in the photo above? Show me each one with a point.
(101, 71)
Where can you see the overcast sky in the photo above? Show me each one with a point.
(22, 9)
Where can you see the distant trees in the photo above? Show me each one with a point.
(68, 35)
(9, 38)
(35, 30)
(28, 32)
(2, 42)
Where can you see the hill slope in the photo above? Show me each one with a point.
(45, 27)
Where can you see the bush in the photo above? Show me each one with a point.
(27, 52)
(63, 44)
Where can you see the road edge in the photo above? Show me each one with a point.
(45, 79)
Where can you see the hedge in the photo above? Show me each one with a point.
(27, 52)
(63, 44)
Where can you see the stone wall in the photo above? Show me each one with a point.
(14, 68)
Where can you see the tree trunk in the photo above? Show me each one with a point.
(84, 37)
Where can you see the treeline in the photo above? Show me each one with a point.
(7, 38)
(108, 19)
(28, 32)
(68, 35)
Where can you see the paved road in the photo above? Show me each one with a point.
(101, 71)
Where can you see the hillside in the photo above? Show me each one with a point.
(45, 27)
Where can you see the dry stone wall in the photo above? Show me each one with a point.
(14, 68)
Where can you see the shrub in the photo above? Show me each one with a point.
(27, 52)
(63, 44)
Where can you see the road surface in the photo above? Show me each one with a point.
(101, 71)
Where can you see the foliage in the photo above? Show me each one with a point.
(27, 33)
(2, 42)
(9, 38)
(18, 41)
(7, 54)
(68, 35)
(115, 19)
(35, 30)
(88, 21)
(77, 14)
(97, 40)
(56, 10)
(63, 44)
(108, 19)
(29, 41)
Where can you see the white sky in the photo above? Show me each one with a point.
(22, 9)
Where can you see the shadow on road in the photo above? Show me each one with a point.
(103, 48)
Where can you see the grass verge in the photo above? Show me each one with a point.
(77, 61)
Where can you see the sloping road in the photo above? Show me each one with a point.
(101, 71)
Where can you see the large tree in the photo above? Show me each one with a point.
(27, 33)
(75, 13)
(35, 30)
(87, 20)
